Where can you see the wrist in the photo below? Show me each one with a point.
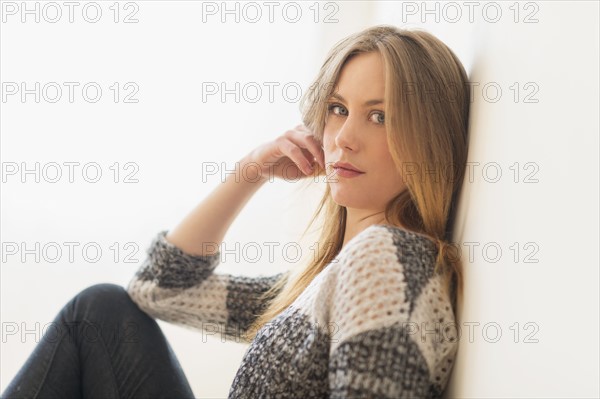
(251, 171)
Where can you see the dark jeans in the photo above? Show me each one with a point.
(101, 345)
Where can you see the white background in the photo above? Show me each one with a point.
(171, 133)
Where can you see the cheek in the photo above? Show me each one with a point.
(328, 144)
(382, 154)
(386, 164)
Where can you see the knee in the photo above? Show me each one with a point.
(99, 294)
(103, 300)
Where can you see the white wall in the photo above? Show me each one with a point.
(171, 133)
(556, 355)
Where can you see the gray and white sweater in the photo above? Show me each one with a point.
(375, 323)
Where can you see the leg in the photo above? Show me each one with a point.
(101, 345)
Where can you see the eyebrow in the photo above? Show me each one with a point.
(367, 103)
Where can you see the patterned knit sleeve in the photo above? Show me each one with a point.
(184, 289)
(386, 315)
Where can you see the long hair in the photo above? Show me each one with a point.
(427, 112)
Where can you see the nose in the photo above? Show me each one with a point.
(346, 136)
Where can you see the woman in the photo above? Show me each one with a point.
(373, 315)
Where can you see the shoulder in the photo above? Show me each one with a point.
(379, 274)
(381, 245)
(387, 263)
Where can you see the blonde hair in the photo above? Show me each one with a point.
(426, 130)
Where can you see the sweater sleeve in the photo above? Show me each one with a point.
(184, 289)
(383, 313)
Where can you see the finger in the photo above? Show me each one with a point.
(318, 144)
(295, 153)
(305, 139)
(316, 150)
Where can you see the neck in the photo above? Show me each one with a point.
(359, 219)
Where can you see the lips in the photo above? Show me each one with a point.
(347, 166)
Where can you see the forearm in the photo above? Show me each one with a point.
(203, 229)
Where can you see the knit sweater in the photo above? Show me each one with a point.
(376, 322)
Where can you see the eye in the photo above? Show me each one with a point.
(379, 117)
(337, 109)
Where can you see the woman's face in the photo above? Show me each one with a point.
(355, 133)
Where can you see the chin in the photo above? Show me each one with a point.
(351, 201)
(342, 201)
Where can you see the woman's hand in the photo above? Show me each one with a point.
(291, 156)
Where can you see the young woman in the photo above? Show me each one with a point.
(373, 315)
